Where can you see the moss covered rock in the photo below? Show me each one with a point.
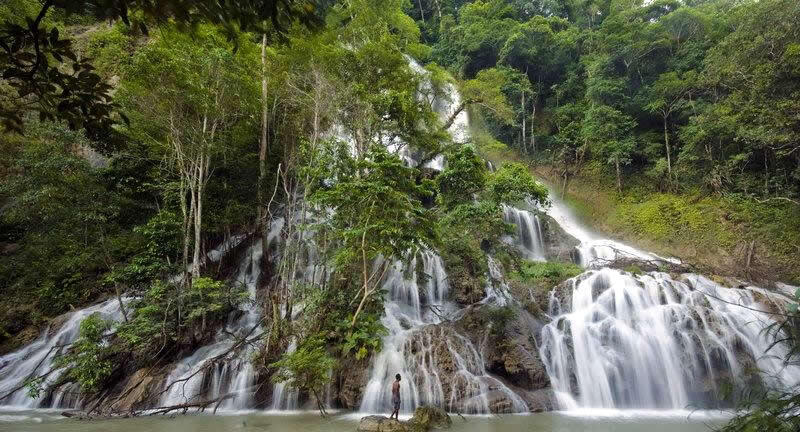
(430, 417)
(382, 424)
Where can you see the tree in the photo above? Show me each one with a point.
(610, 132)
(485, 91)
(34, 56)
(205, 90)
(374, 211)
(464, 176)
(666, 97)
(308, 369)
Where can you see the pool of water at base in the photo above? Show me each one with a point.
(564, 421)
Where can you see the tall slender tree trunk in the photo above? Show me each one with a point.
(533, 119)
(669, 151)
(524, 135)
(262, 151)
(421, 11)
(619, 175)
(198, 217)
(766, 174)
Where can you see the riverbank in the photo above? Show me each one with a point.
(725, 235)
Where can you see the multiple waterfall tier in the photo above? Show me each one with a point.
(611, 339)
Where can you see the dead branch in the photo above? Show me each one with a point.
(778, 198)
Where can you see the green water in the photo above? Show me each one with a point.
(51, 421)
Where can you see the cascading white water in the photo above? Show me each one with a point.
(615, 340)
(36, 359)
(529, 232)
(284, 398)
(405, 313)
(419, 350)
(594, 250)
(188, 381)
(191, 379)
(650, 341)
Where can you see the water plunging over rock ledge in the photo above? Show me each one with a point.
(654, 337)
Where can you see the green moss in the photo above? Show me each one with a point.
(634, 269)
(551, 273)
(540, 278)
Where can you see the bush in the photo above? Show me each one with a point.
(308, 368)
(89, 361)
(543, 276)
(498, 318)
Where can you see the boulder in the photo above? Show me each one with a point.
(539, 400)
(425, 418)
(430, 417)
(376, 423)
(139, 391)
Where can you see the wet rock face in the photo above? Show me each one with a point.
(465, 287)
(559, 245)
(139, 391)
(559, 300)
(475, 365)
(511, 353)
(351, 382)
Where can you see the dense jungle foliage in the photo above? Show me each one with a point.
(139, 135)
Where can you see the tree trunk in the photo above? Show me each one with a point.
(262, 151)
(766, 175)
(421, 11)
(619, 175)
(533, 119)
(669, 151)
(524, 135)
(363, 275)
(455, 114)
(198, 218)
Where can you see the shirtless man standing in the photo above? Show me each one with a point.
(396, 397)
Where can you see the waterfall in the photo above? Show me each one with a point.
(529, 232)
(404, 313)
(284, 398)
(36, 359)
(594, 250)
(419, 350)
(651, 341)
(193, 378)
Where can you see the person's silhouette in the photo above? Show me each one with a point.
(396, 397)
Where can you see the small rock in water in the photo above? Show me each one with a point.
(376, 423)
(430, 417)
(425, 418)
